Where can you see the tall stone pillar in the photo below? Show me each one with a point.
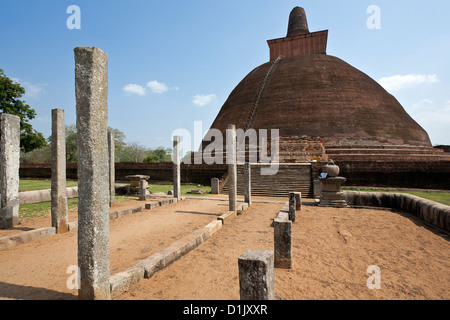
(232, 167)
(59, 210)
(10, 160)
(176, 168)
(112, 163)
(256, 276)
(91, 88)
(248, 183)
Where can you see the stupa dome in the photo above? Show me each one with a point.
(304, 91)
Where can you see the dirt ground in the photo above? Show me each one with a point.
(332, 250)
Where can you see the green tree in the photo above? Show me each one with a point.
(159, 155)
(10, 94)
(71, 143)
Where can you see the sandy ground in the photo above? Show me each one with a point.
(332, 250)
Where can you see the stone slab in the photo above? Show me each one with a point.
(24, 237)
(125, 280)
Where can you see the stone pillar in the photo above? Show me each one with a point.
(283, 243)
(232, 167)
(59, 210)
(292, 206)
(176, 168)
(91, 88)
(9, 175)
(256, 277)
(248, 183)
(143, 190)
(298, 201)
(214, 186)
(112, 163)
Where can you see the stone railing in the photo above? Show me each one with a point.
(431, 212)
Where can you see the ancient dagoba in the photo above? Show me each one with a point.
(314, 97)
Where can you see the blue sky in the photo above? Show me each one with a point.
(175, 62)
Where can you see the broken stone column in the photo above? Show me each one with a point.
(176, 168)
(112, 163)
(247, 183)
(292, 206)
(91, 88)
(232, 167)
(214, 186)
(283, 243)
(143, 190)
(59, 209)
(256, 277)
(9, 175)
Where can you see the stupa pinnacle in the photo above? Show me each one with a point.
(298, 23)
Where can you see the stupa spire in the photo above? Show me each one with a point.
(298, 24)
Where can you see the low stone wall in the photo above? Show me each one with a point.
(37, 196)
(432, 212)
(158, 172)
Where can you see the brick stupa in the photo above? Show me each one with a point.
(304, 92)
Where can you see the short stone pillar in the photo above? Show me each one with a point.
(176, 168)
(256, 276)
(59, 209)
(331, 194)
(143, 190)
(9, 175)
(232, 167)
(283, 243)
(214, 186)
(91, 88)
(292, 206)
(112, 171)
(248, 183)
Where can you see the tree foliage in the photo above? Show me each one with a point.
(124, 152)
(10, 94)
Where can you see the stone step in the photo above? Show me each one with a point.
(390, 157)
(384, 151)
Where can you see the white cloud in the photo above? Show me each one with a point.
(157, 87)
(398, 82)
(31, 90)
(135, 89)
(204, 99)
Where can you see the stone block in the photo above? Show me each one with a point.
(256, 276)
(282, 243)
(125, 280)
(214, 186)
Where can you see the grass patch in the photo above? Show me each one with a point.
(31, 185)
(157, 188)
(43, 209)
(440, 197)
